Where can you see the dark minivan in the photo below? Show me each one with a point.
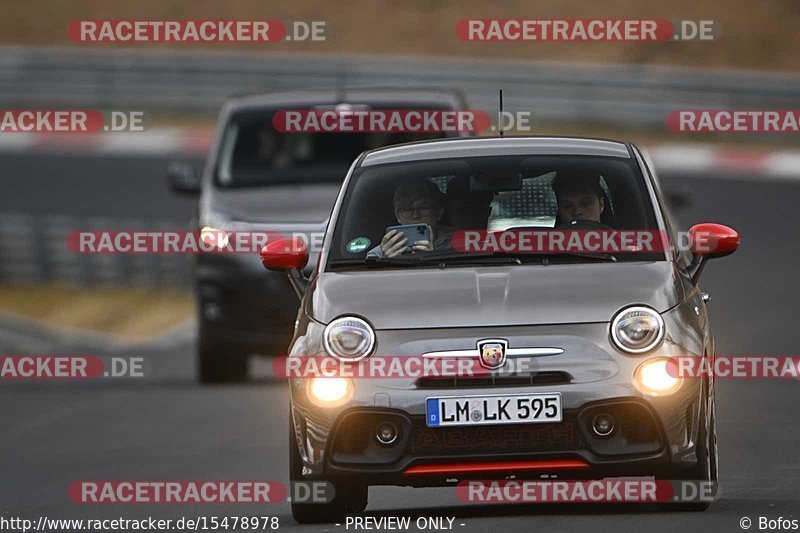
(257, 179)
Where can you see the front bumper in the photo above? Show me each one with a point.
(655, 434)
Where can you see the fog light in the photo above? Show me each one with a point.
(386, 433)
(657, 377)
(603, 425)
(329, 392)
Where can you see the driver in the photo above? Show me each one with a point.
(579, 197)
(416, 201)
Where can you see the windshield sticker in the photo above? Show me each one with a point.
(359, 244)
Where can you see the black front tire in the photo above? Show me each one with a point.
(706, 469)
(350, 497)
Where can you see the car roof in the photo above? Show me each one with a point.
(372, 96)
(494, 146)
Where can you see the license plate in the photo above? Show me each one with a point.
(494, 409)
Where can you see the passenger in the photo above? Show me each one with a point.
(416, 201)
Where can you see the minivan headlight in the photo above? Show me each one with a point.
(349, 338)
(637, 329)
(213, 237)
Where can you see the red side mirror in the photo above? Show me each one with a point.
(285, 254)
(713, 240)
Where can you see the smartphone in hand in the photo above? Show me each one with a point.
(413, 232)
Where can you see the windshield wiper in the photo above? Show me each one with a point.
(441, 259)
(398, 260)
(373, 261)
(515, 258)
(484, 258)
(605, 257)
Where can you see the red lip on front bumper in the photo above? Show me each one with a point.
(495, 466)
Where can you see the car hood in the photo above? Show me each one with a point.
(306, 203)
(494, 296)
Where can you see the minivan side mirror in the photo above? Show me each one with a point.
(290, 256)
(709, 240)
(182, 178)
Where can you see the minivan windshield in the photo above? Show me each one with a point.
(435, 203)
(254, 153)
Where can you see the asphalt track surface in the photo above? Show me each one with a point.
(168, 427)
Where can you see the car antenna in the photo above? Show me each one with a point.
(500, 115)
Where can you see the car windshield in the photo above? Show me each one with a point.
(437, 203)
(253, 153)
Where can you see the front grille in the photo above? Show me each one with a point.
(511, 438)
(495, 380)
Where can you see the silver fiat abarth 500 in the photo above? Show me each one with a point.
(424, 257)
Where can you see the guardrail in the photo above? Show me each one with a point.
(34, 249)
(198, 82)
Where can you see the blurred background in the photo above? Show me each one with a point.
(55, 301)
(57, 184)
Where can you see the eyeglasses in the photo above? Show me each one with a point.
(408, 212)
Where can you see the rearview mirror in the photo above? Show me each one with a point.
(182, 178)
